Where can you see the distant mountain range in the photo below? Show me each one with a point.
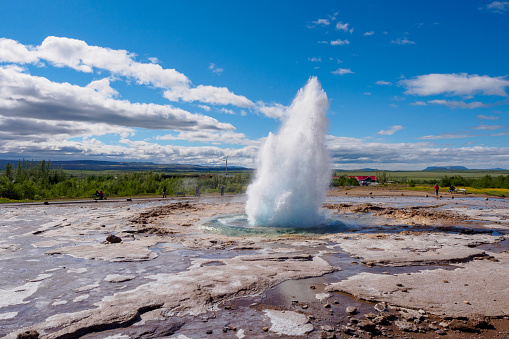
(93, 165)
(446, 168)
(459, 168)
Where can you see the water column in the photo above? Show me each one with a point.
(293, 167)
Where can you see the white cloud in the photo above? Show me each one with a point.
(383, 83)
(205, 107)
(213, 137)
(207, 94)
(339, 42)
(457, 84)
(447, 136)
(485, 117)
(26, 96)
(488, 127)
(344, 27)
(369, 33)
(391, 130)
(103, 87)
(313, 59)
(275, 111)
(403, 41)
(215, 69)
(459, 104)
(13, 51)
(342, 71)
(498, 7)
(368, 93)
(351, 153)
(320, 22)
(78, 55)
(226, 111)
(418, 103)
(40, 130)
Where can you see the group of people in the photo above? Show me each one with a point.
(451, 189)
(99, 194)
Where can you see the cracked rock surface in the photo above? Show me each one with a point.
(168, 277)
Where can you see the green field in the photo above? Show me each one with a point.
(418, 176)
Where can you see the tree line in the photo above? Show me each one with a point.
(32, 180)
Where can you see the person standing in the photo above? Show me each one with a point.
(222, 190)
(436, 189)
(164, 191)
(197, 191)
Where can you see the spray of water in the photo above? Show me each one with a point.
(293, 168)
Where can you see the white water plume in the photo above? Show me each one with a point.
(293, 168)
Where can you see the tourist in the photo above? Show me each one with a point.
(436, 189)
(197, 191)
(164, 191)
(222, 190)
(452, 189)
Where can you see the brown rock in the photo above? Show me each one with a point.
(113, 239)
(28, 335)
(462, 326)
(406, 326)
(479, 321)
(367, 325)
(351, 310)
(265, 329)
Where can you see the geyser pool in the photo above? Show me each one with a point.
(237, 225)
(293, 167)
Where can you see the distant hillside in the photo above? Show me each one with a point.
(93, 165)
(446, 168)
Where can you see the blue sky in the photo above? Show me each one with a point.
(411, 84)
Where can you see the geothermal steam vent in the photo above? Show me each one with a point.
(293, 166)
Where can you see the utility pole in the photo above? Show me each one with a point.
(226, 165)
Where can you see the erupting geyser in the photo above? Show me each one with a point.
(293, 168)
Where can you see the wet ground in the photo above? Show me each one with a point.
(170, 276)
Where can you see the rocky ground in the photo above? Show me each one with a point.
(403, 266)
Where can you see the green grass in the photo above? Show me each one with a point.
(428, 175)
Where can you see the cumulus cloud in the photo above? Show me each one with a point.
(207, 94)
(215, 69)
(499, 7)
(342, 71)
(457, 84)
(78, 55)
(459, 104)
(391, 130)
(344, 27)
(213, 137)
(319, 22)
(369, 33)
(39, 130)
(383, 83)
(351, 152)
(403, 41)
(275, 111)
(103, 87)
(339, 42)
(25, 96)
